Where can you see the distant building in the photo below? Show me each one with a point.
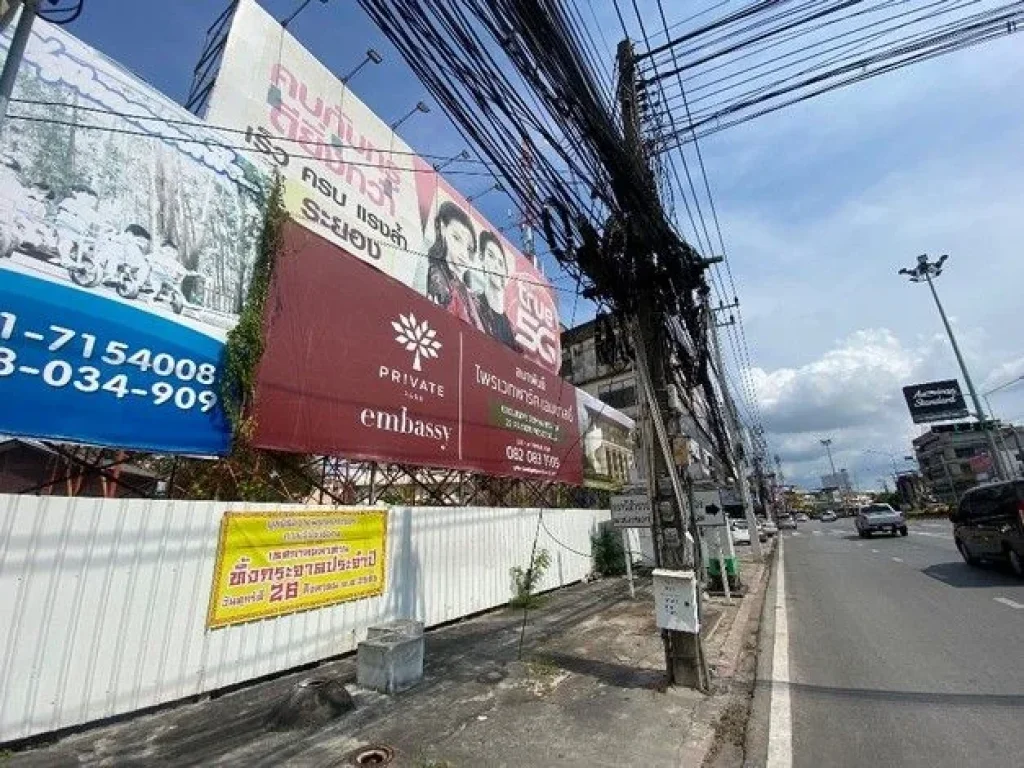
(913, 490)
(954, 458)
(617, 386)
(840, 481)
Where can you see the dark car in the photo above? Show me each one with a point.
(989, 524)
(879, 518)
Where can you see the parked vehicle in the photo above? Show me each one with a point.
(786, 522)
(989, 524)
(769, 527)
(878, 518)
(739, 531)
(762, 535)
(828, 516)
(802, 518)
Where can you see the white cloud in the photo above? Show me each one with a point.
(850, 385)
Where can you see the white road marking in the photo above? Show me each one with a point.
(875, 551)
(1003, 600)
(780, 718)
(897, 559)
(816, 533)
(948, 536)
(860, 543)
(796, 533)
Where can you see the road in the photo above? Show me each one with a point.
(898, 653)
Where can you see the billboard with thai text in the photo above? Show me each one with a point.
(357, 364)
(351, 179)
(127, 238)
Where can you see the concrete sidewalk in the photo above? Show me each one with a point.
(589, 691)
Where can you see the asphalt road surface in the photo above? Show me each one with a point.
(899, 654)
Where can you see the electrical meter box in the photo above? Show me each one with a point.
(675, 600)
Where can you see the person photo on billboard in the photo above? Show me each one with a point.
(488, 286)
(451, 257)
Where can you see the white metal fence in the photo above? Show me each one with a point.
(103, 602)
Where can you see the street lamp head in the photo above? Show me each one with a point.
(373, 56)
(424, 108)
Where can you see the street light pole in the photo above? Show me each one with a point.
(827, 442)
(925, 271)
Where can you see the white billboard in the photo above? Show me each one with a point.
(352, 180)
(128, 235)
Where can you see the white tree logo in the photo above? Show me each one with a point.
(417, 338)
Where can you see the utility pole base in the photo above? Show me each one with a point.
(683, 650)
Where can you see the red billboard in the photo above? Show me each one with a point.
(358, 364)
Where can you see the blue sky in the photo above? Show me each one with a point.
(819, 203)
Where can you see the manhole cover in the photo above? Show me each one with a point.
(375, 754)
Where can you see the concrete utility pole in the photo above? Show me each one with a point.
(15, 54)
(684, 657)
(736, 442)
(925, 271)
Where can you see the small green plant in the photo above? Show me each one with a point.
(524, 582)
(609, 555)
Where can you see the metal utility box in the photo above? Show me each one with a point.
(675, 600)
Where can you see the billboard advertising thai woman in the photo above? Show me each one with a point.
(358, 365)
(351, 179)
(127, 237)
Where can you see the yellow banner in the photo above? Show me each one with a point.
(272, 563)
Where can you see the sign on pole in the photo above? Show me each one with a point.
(632, 509)
(935, 401)
(708, 508)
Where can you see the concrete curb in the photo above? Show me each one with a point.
(756, 741)
(702, 741)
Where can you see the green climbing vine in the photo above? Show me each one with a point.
(248, 473)
(244, 346)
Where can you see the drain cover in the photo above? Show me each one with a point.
(375, 754)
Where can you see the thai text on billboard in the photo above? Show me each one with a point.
(357, 364)
(127, 239)
(353, 180)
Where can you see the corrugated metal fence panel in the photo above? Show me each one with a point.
(103, 602)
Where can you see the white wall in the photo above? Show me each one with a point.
(103, 602)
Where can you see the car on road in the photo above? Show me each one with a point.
(802, 518)
(880, 518)
(828, 516)
(740, 534)
(762, 534)
(989, 524)
(769, 527)
(786, 522)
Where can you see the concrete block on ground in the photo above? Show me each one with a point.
(407, 627)
(390, 663)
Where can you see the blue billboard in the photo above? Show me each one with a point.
(128, 232)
